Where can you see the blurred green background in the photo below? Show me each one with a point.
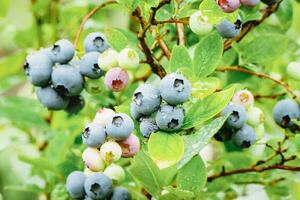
(26, 128)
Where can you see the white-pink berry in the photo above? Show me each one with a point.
(92, 159)
(103, 116)
(116, 79)
(130, 146)
(244, 98)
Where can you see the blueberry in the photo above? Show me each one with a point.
(116, 79)
(89, 65)
(110, 151)
(134, 111)
(170, 118)
(38, 68)
(93, 135)
(284, 111)
(115, 172)
(229, 6)
(51, 99)
(108, 59)
(128, 58)
(237, 115)
(88, 198)
(146, 99)
(95, 41)
(130, 146)
(199, 23)
(228, 29)
(250, 3)
(255, 116)
(98, 186)
(121, 193)
(103, 116)
(75, 184)
(244, 98)
(224, 134)
(244, 137)
(175, 89)
(67, 80)
(120, 126)
(76, 104)
(148, 126)
(62, 51)
(92, 159)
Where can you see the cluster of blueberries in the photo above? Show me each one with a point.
(61, 77)
(242, 117)
(200, 25)
(153, 115)
(108, 138)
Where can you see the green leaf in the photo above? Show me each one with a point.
(208, 54)
(116, 39)
(180, 58)
(207, 108)
(192, 176)
(193, 144)
(149, 175)
(214, 13)
(129, 4)
(176, 193)
(24, 188)
(165, 149)
(205, 87)
(285, 13)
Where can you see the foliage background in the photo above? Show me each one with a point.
(28, 130)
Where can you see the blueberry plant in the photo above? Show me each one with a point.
(172, 99)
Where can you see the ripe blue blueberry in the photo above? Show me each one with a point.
(121, 193)
(93, 135)
(95, 41)
(75, 184)
(89, 65)
(146, 99)
(148, 126)
(175, 89)
(67, 80)
(62, 51)
(134, 111)
(284, 111)
(120, 126)
(224, 134)
(169, 118)
(76, 104)
(228, 29)
(244, 137)
(98, 186)
(38, 68)
(51, 99)
(237, 116)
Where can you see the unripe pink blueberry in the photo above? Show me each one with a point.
(250, 3)
(92, 159)
(229, 6)
(110, 151)
(103, 116)
(116, 79)
(128, 58)
(244, 98)
(130, 146)
(115, 172)
(108, 59)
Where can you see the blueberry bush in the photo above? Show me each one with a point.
(149, 99)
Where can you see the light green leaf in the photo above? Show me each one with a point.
(207, 108)
(165, 149)
(208, 54)
(176, 193)
(24, 188)
(205, 87)
(192, 176)
(193, 144)
(149, 175)
(285, 13)
(129, 4)
(180, 58)
(116, 39)
(214, 13)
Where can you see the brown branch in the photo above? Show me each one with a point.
(164, 47)
(259, 75)
(250, 25)
(180, 34)
(273, 96)
(155, 9)
(87, 17)
(171, 21)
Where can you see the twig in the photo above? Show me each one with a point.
(87, 17)
(259, 75)
(274, 96)
(180, 33)
(250, 25)
(171, 21)
(164, 47)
